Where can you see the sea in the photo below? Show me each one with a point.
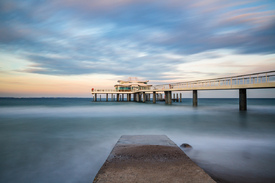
(50, 140)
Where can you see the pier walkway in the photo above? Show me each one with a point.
(149, 158)
(261, 80)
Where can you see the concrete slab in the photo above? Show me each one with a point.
(149, 158)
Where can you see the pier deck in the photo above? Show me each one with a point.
(149, 158)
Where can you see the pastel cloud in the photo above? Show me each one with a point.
(126, 37)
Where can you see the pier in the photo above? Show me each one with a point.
(140, 89)
(149, 158)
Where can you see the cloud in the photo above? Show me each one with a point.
(141, 38)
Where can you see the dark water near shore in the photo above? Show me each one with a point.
(67, 140)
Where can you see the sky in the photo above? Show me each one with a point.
(63, 48)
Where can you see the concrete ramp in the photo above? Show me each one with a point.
(149, 158)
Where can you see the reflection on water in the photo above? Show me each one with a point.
(67, 140)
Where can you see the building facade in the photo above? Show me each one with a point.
(132, 84)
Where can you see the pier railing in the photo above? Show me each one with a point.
(255, 80)
(111, 91)
(251, 80)
(103, 90)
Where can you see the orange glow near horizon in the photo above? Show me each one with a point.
(21, 84)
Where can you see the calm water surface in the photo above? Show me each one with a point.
(67, 140)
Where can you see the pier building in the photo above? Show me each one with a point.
(132, 84)
(141, 90)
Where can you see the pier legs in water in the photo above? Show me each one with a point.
(168, 97)
(154, 97)
(195, 98)
(242, 99)
(143, 97)
(128, 97)
(138, 97)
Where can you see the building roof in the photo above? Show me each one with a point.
(132, 84)
(132, 80)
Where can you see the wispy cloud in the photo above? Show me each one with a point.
(131, 37)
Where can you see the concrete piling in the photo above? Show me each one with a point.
(168, 97)
(195, 98)
(143, 97)
(138, 97)
(242, 100)
(154, 97)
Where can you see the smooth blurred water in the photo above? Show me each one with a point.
(68, 139)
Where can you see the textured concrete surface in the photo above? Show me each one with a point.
(149, 158)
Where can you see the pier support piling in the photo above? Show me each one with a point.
(177, 97)
(195, 98)
(168, 97)
(154, 97)
(242, 100)
(106, 97)
(138, 97)
(180, 98)
(143, 97)
(95, 99)
(117, 97)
